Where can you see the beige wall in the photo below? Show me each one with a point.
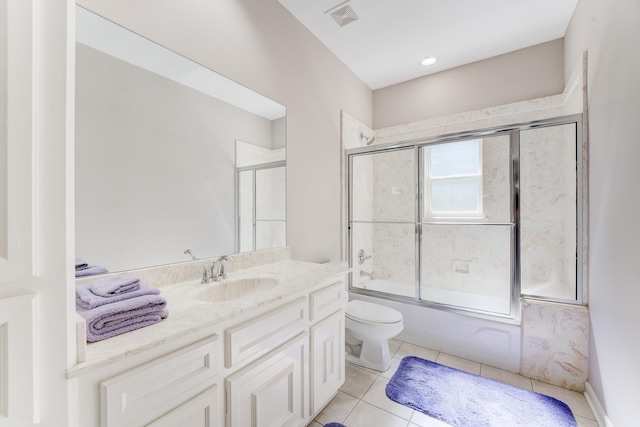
(524, 74)
(260, 45)
(611, 33)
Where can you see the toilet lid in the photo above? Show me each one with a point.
(372, 313)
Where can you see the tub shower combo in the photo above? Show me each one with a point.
(470, 222)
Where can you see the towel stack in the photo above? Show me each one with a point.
(114, 305)
(84, 269)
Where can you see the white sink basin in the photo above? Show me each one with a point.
(232, 289)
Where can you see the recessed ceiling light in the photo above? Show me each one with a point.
(429, 60)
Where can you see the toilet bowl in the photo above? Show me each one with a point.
(369, 327)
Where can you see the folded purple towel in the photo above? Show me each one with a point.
(86, 299)
(114, 319)
(91, 270)
(114, 285)
(81, 264)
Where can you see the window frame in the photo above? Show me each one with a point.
(427, 180)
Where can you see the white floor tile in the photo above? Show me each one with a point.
(357, 381)
(576, 401)
(394, 345)
(366, 415)
(586, 422)
(338, 409)
(506, 377)
(377, 396)
(392, 369)
(459, 363)
(407, 349)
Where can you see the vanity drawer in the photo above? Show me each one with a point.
(262, 334)
(327, 300)
(147, 392)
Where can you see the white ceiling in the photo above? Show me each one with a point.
(385, 45)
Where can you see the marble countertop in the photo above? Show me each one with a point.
(189, 314)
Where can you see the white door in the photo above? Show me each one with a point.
(36, 136)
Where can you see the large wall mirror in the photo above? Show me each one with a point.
(160, 145)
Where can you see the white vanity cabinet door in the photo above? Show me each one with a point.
(327, 300)
(141, 395)
(201, 411)
(273, 390)
(258, 336)
(327, 359)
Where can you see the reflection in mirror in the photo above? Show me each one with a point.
(261, 197)
(156, 152)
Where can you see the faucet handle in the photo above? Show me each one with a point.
(205, 275)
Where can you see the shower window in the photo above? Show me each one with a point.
(470, 223)
(453, 179)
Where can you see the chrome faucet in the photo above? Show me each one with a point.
(217, 268)
(190, 252)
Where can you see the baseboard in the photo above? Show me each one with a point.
(596, 406)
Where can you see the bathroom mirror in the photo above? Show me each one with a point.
(155, 158)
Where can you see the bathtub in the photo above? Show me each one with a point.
(389, 286)
(486, 303)
(483, 340)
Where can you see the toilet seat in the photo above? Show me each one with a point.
(366, 312)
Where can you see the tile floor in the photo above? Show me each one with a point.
(362, 402)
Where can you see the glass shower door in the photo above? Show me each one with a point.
(467, 229)
(261, 207)
(382, 222)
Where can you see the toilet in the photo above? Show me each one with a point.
(369, 327)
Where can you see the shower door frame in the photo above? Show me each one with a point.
(513, 131)
(254, 220)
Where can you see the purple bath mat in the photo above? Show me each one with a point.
(466, 400)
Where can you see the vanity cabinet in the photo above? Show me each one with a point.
(327, 336)
(200, 411)
(327, 360)
(175, 387)
(276, 365)
(290, 385)
(272, 391)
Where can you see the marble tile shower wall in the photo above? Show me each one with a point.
(473, 258)
(548, 211)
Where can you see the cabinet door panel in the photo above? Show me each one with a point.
(140, 395)
(258, 336)
(271, 392)
(201, 411)
(325, 301)
(327, 360)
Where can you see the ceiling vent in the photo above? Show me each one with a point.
(343, 14)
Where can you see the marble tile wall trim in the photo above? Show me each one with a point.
(555, 340)
(187, 271)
